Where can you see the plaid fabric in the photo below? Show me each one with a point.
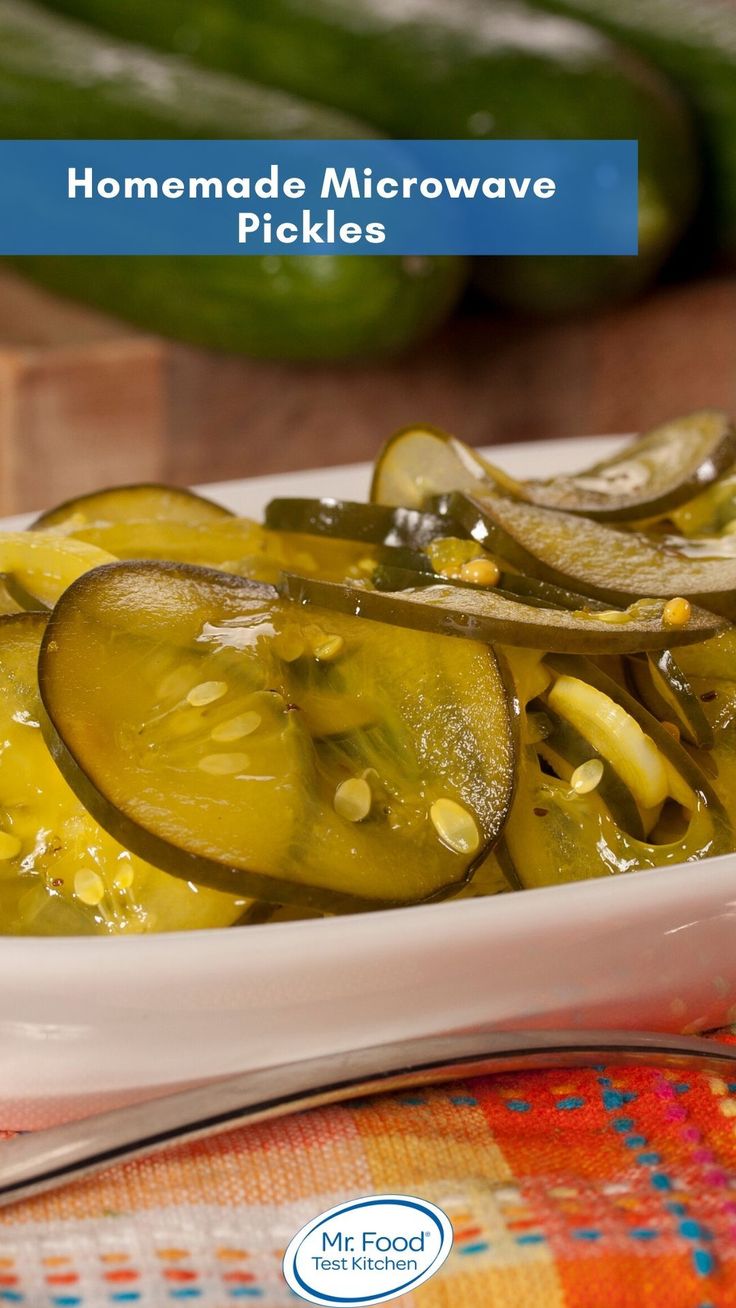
(607, 1188)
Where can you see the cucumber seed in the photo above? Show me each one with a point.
(89, 887)
(330, 649)
(206, 693)
(455, 826)
(587, 776)
(236, 728)
(353, 799)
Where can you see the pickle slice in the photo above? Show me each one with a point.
(12, 596)
(224, 541)
(653, 474)
(60, 874)
(566, 750)
(710, 513)
(490, 879)
(493, 616)
(143, 502)
(711, 674)
(230, 544)
(663, 688)
(418, 463)
(376, 524)
(605, 562)
(555, 833)
(198, 714)
(390, 575)
(40, 565)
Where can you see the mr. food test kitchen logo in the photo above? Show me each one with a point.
(368, 1251)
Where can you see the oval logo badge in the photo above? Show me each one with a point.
(368, 1251)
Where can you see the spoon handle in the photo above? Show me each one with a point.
(45, 1160)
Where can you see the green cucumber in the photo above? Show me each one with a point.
(494, 616)
(63, 79)
(470, 68)
(694, 43)
(610, 564)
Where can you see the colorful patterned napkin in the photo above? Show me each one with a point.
(607, 1188)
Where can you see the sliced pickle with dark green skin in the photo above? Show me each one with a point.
(375, 524)
(555, 834)
(663, 688)
(142, 502)
(60, 873)
(180, 702)
(650, 476)
(711, 672)
(654, 474)
(457, 560)
(395, 569)
(565, 750)
(678, 761)
(597, 560)
(418, 463)
(495, 617)
(388, 575)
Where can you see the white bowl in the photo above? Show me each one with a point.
(86, 1023)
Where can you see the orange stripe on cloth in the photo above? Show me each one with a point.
(538, 1286)
(428, 1136)
(616, 1281)
(296, 1158)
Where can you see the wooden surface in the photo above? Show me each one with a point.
(86, 401)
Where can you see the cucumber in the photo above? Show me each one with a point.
(554, 833)
(242, 743)
(60, 873)
(62, 79)
(497, 617)
(472, 68)
(142, 502)
(658, 472)
(661, 471)
(376, 524)
(610, 564)
(694, 43)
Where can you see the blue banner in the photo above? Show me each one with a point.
(318, 197)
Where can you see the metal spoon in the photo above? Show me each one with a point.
(44, 1160)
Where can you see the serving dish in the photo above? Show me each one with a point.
(87, 1023)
